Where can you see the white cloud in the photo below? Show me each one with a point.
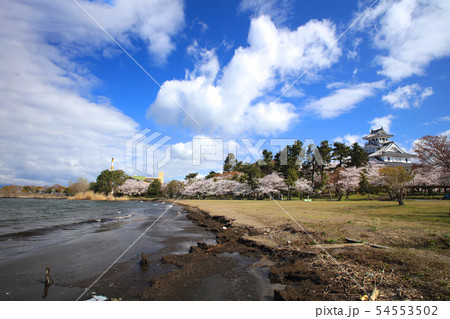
(343, 99)
(446, 133)
(62, 22)
(384, 122)
(278, 10)
(445, 118)
(228, 100)
(413, 32)
(50, 132)
(406, 96)
(349, 139)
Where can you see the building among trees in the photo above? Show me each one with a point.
(383, 151)
(150, 179)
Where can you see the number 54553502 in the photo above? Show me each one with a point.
(406, 310)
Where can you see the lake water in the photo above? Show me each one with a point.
(79, 240)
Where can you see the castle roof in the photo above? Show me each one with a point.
(390, 149)
(377, 133)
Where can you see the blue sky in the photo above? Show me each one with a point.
(70, 97)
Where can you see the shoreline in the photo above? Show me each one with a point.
(288, 268)
(204, 261)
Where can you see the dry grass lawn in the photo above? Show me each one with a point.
(417, 224)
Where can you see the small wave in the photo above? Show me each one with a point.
(44, 230)
(124, 217)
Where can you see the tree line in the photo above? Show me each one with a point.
(297, 170)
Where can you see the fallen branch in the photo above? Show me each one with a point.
(335, 245)
(351, 240)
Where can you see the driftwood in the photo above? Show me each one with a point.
(378, 246)
(351, 240)
(329, 246)
(351, 243)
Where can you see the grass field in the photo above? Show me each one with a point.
(417, 224)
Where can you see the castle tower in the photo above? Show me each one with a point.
(381, 150)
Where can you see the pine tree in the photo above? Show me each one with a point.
(358, 157)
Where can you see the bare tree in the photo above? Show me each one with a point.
(81, 185)
(397, 180)
(434, 152)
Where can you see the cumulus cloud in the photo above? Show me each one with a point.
(384, 122)
(349, 139)
(412, 32)
(154, 22)
(50, 132)
(342, 99)
(406, 96)
(228, 99)
(446, 133)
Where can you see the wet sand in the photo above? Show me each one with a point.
(218, 270)
(177, 270)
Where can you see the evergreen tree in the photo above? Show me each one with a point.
(341, 152)
(290, 178)
(108, 181)
(267, 165)
(252, 173)
(288, 163)
(358, 157)
(191, 176)
(325, 151)
(154, 189)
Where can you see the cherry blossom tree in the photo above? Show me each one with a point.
(220, 188)
(133, 187)
(345, 180)
(373, 174)
(271, 184)
(303, 186)
(242, 189)
(429, 179)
